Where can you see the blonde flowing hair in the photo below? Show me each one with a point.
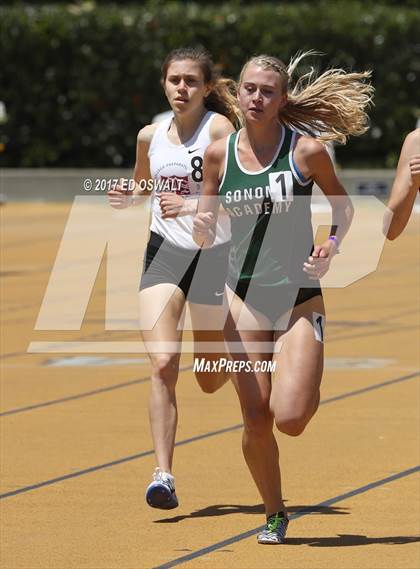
(222, 96)
(331, 106)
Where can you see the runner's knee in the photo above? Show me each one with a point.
(258, 421)
(165, 368)
(292, 424)
(209, 382)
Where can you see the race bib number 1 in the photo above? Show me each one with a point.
(281, 186)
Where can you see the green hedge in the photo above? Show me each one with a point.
(78, 81)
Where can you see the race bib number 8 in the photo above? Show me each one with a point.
(281, 186)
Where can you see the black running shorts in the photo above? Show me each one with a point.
(201, 275)
(273, 301)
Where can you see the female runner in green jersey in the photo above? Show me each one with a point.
(263, 177)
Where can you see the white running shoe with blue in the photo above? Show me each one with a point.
(161, 492)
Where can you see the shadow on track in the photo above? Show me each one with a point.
(226, 509)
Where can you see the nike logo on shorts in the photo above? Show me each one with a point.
(219, 293)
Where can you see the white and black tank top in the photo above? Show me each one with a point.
(179, 168)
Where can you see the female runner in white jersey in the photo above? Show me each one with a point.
(171, 153)
(263, 175)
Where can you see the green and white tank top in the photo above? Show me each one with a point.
(270, 217)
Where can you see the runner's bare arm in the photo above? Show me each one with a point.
(122, 195)
(142, 166)
(405, 187)
(316, 163)
(208, 208)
